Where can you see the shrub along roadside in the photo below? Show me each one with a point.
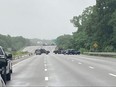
(19, 54)
(105, 54)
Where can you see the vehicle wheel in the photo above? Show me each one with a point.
(8, 76)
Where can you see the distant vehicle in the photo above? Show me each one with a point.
(75, 52)
(41, 51)
(5, 65)
(47, 52)
(57, 51)
(63, 51)
(37, 52)
(72, 52)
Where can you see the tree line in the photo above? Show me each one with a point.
(96, 29)
(13, 43)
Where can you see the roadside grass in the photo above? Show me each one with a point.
(18, 54)
(100, 54)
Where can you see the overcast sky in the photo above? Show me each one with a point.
(43, 19)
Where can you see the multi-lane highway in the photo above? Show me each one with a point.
(64, 70)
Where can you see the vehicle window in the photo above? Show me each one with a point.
(1, 52)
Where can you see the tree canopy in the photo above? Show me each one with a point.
(96, 27)
(14, 43)
(64, 41)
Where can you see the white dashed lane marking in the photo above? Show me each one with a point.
(91, 67)
(46, 79)
(111, 74)
(46, 70)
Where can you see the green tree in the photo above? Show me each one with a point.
(15, 43)
(105, 10)
(64, 41)
(96, 25)
(81, 37)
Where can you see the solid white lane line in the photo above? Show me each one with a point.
(111, 74)
(79, 63)
(91, 67)
(46, 70)
(46, 79)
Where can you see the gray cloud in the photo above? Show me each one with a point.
(45, 19)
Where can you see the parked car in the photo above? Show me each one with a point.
(6, 69)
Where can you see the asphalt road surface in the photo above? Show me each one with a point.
(64, 71)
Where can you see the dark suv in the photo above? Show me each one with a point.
(5, 70)
(72, 52)
(41, 51)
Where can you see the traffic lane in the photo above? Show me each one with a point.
(101, 58)
(62, 75)
(70, 73)
(105, 60)
(29, 72)
(108, 66)
(106, 70)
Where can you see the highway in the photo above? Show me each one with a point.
(64, 70)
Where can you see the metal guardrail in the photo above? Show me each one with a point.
(109, 54)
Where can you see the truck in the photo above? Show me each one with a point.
(5, 65)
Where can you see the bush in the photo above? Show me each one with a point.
(109, 49)
(83, 50)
